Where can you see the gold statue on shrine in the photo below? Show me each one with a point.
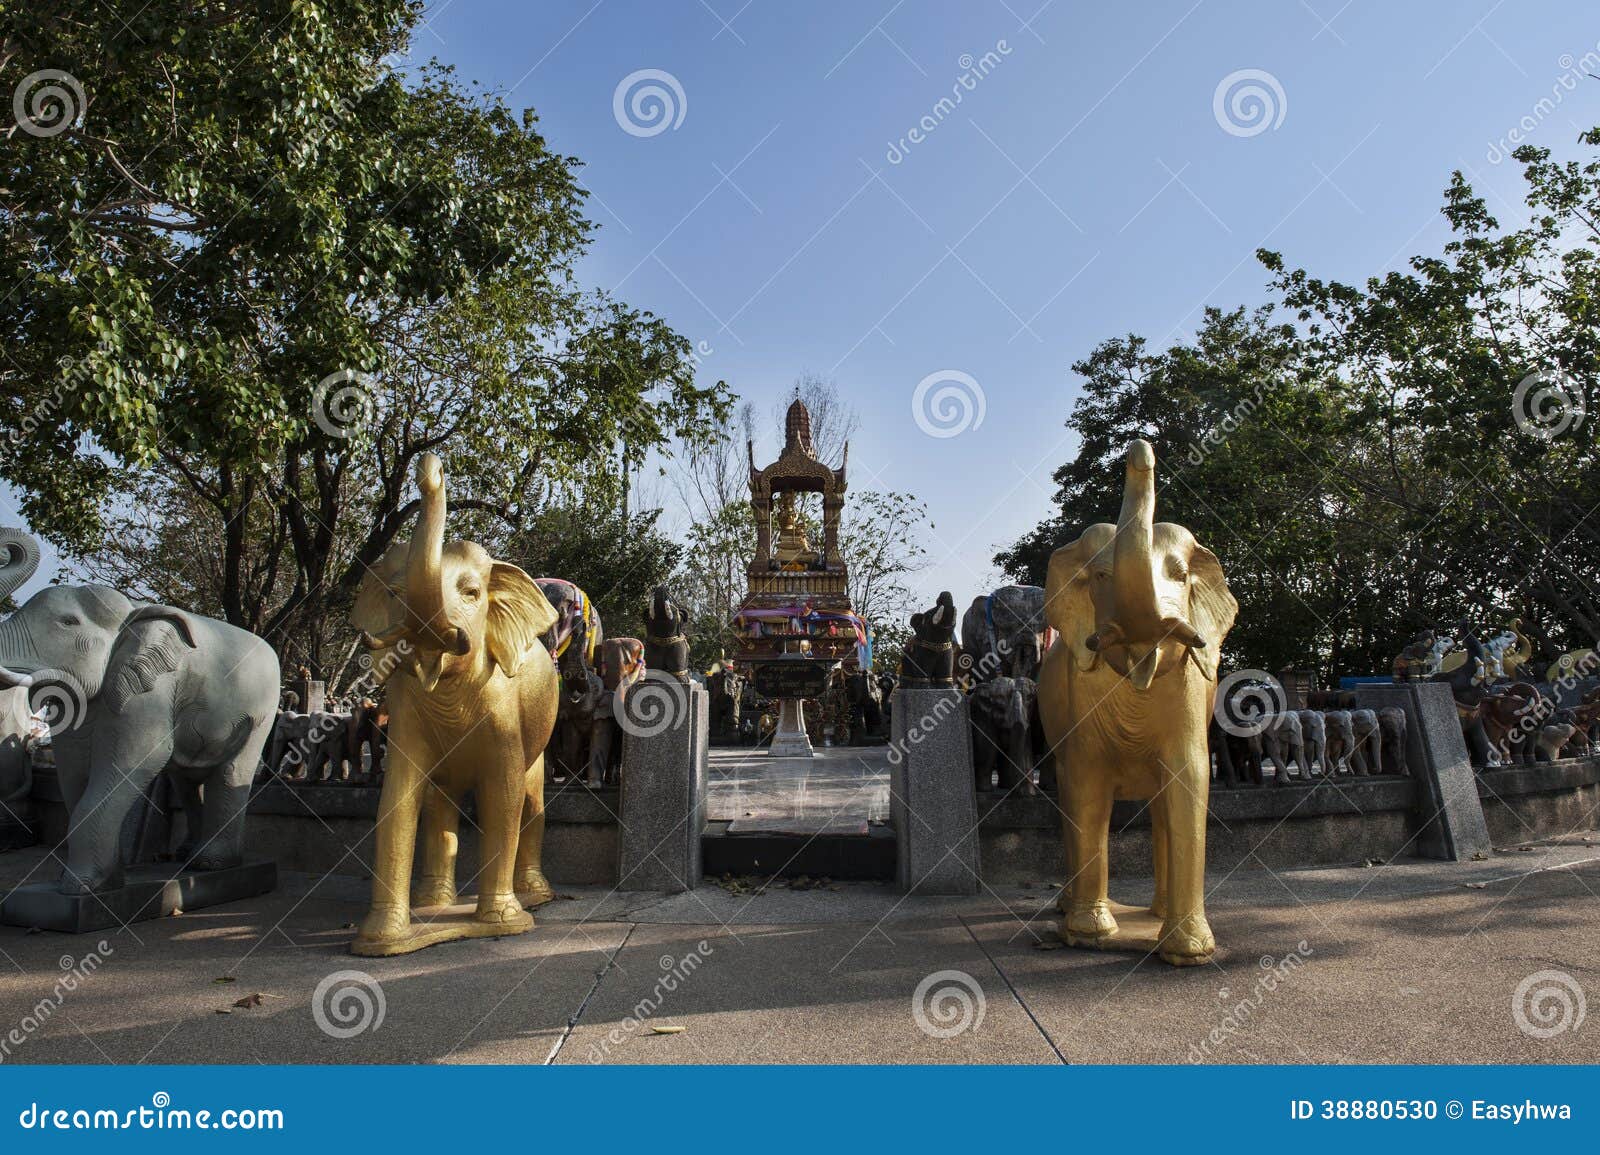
(792, 549)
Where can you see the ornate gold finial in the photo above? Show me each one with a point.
(797, 428)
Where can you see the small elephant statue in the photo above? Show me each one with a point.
(621, 668)
(928, 659)
(1283, 743)
(472, 694)
(131, 690)
(1339, 750)
(1366, 756)
(577, 718)
(1392, 735)
(666, 645)
(725, 689)
(1314, 736)
(1001, 713)
(1004, 632)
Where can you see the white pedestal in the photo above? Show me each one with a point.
(791, 739)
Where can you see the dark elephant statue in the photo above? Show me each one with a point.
(929, 658)
(1003, 633)
(621, 667)
(573, 608)
(582, 691)
(131, 690)
(865, 705)
(1002, 712)
(1392, 738)
(666, 646)
(725, 689)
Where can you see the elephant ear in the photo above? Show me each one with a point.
(1212, 607)
(152, 644)
(376, 607)
(518, 613)
(1068, 600)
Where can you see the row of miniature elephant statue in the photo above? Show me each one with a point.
(1312, 741)
(1518, 723)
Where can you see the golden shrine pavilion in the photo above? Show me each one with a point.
(797, 600)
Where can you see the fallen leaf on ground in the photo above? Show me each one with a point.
(566, 898)
(224, 1011)
(1474, 885)
(248, 1001)
(1049, 944)
(223, 979)
(1480, 856)
(664, 1030)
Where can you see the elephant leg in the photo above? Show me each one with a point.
(1186, 937)
(532, 888)
(94, 839)
(1160, 856)
(404, 783)
(599, 753)
(501, 796)
(441, 824)
(193, 816)
(1086, 826)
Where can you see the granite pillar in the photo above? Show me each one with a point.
(932, 796)
(666, 726)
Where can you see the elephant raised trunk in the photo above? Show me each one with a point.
(19, 558)
(1138, 613)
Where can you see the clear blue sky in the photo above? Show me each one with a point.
(1083, 188)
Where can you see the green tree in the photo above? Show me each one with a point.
(274, 278)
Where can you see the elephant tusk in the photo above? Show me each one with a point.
(1183, 631)
(1198, 664)
(385, 640)
(11, 678)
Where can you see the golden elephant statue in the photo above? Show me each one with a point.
(472, 696)
(1126, 693)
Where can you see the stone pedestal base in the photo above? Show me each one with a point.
(664, 754)
(791, 740)
(150, 891)
(432, 925)
(932, 797)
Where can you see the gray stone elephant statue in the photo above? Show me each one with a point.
(131, 689)
(1366, 755)
(1314, 737)
(1392, 738)
(1282, 743)
(1002, 711)
(1340, 746)
(1003, 633)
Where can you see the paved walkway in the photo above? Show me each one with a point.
(1406, 962)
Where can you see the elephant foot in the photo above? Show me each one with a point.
(88, 880)
(532, 888)
(384, 924)
(1091, 921)
(210, 861)
(503, 911)
(1187, 941)
(433, 892)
